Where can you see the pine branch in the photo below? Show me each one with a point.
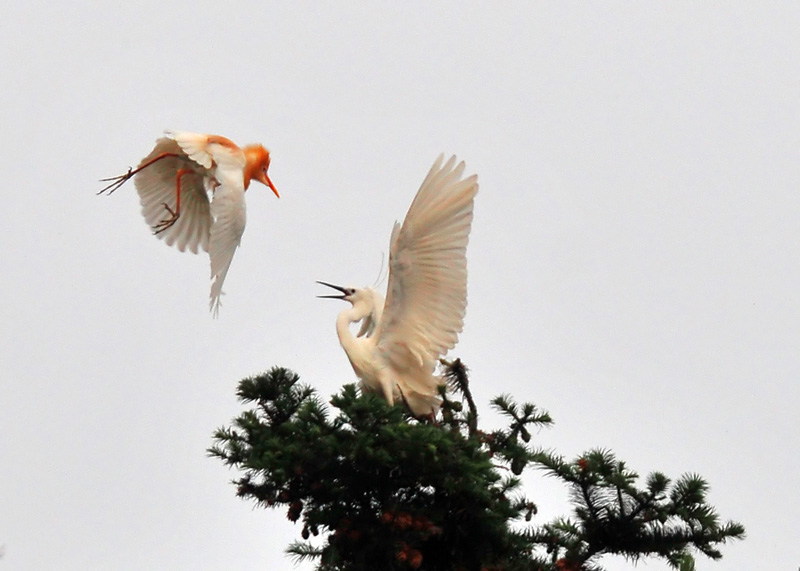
(614, 517)
(375, 488)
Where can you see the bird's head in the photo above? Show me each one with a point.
(350, 294)
(257, 165)
(367, 305)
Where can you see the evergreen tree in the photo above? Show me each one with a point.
(376, 488)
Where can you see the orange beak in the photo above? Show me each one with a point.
(272, 186)
(264, 179)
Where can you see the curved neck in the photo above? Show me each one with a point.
(356, 348)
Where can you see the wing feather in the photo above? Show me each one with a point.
(228, 211)
(427, 290)
(156, 187)
(194, 146)
(225, 161)
(208, 151)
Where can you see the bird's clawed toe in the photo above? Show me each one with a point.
(116, 181)
(167, 222)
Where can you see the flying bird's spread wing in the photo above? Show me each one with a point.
(227, 206)
(228, 211)
(156, 187)
(205, 150)
(427, 289)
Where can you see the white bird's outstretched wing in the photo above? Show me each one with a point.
(228, 211)
(156, 187)
(427, 289)
(194, 146)
(227, 206)
(207, 150)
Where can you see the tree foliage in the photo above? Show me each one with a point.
(376, 488)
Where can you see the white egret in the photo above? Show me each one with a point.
(400, 341)
(174, 183)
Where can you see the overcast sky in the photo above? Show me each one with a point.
(634, 261)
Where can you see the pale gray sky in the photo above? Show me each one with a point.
(634, 262)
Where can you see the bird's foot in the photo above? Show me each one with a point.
(424, 418)
(167, 222)
(116, 181)
(429, 418)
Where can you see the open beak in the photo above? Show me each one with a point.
(337, 288)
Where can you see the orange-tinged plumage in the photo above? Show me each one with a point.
(191, 187)
(256, 167)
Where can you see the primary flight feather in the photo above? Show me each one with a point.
(191, 187)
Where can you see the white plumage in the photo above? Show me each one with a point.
(400, 341)
(191, 187)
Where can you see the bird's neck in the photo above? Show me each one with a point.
(357, 349)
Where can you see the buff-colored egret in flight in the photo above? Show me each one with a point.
(399, 342)
(174, 183)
